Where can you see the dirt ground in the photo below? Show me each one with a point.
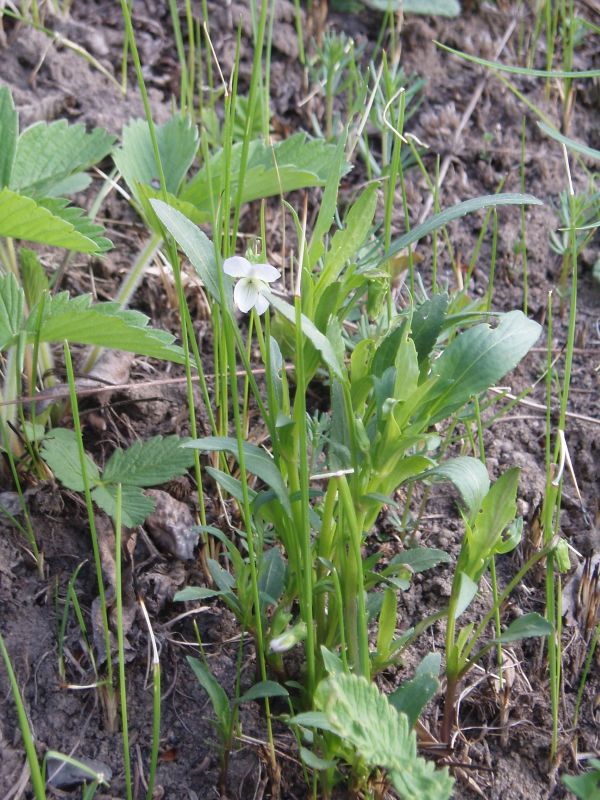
(496, 761)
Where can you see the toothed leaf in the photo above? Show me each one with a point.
(50, 222)
(61, 452)
(362, 717)
(149, 463)
(102, 325)
(135, 506)
(48, 154)
(295, 163)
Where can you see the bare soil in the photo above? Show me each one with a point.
(498, 758)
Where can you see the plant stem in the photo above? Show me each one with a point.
(120, 641)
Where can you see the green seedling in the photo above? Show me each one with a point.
(144, 464)
(485, 537)
(578, 213)
(359, 726)
(226, 710)
(331, 68)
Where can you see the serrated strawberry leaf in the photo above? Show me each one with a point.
(177, 144)
(54, 224)
(135, 505)
(102, 325)
(46, 154)
(60, 451)
(149, 463)
(60, 207)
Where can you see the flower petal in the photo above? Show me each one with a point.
(245, 294)
(237, 267)
(264, 272)
(261, 304)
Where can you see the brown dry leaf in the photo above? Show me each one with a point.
(571, 593)
(171, 525)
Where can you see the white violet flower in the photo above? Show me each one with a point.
(251, 290)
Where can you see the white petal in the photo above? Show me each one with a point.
(237, 267)
(261, 304)
(264, 272)
(245, 295)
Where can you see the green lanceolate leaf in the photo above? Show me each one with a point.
(454, 212)
(271, 576)
(196, 245)
(11, 309)
(427, 323)
(149, 463)
(328, 205)
(587, 785)
(214, 690)
(257, 461)
(387, 623)
(57, 225)
(48, 154)
(34, 279)
(479, 358)
(363, 717)
(418, 559)
(439, 8)
(195, 593)
(532, 73)
(347, 242)
(9, 130)
(468, 474)
(294, 163)
(467, 589)
(497, 511)
(102, 324)
(412, 697)
(313, 334)
(525, 627)
(264, 689)
(577, 147)
(61, 452)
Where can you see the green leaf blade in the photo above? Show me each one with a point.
(60, 451)
(527, 626)
(295, 163)
(56, 225)
(478, 358)
(9, 131)
(177, 145)
(149, 463)
(102, 325)
(455, 212)
(136, 507)
(195, 244)
(257, 461)
(12, 305)
(363, 717)
(47, 154)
